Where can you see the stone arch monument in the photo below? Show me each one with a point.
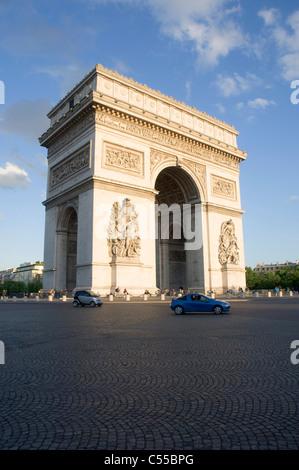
(143, 192)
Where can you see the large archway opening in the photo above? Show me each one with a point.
(179, 249)
(66, 262)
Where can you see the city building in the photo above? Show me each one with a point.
(266, 268)
(26, 272)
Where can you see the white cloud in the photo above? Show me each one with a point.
(221, 108)
(12, 176)
(286, 37)
(293, 198)
(66, 75)
(290, 66)
(269, 16)
(235, 84)
(210, 26)
(260, 103)
(120, 65)
(188, 90)
(26, 119)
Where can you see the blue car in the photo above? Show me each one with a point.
(198, 303)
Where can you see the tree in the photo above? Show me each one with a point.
(252, 279)
(14, 287)
(34, 287)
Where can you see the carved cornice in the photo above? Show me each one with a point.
(71, 127)
(161, 135)
(88, 83)
(220, 209)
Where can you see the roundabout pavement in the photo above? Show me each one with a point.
(134, 376)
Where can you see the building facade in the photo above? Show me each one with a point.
(266, 268)
(26, 272)
(143, 192)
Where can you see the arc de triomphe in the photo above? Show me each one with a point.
(143, 192)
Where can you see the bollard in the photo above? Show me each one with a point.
(162, 296)
(64, 298)
(291, 293)
(5, 298)
(14, 298)
(50, 298)
(269, 294)
(213, 296)
(256, 294)
(25, 298)
(110, 298)
(37, 298)
(127, 297)
(243, 295)
(228, 295)
(144, 297)
(280, 293)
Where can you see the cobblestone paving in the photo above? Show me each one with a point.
(135, 376)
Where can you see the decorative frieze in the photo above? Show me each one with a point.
(78, 161)
(222, 187)
(123, 159)
(161, 136)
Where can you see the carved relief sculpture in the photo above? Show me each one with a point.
(123, 159)
(70, 166)
(228, 251)
(123, 231)
(223, 187)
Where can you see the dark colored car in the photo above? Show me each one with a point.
(198, 303)
(86, 297)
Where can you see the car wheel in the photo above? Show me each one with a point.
(217, 310)
(92, 304)
(75, 303)
(179, 310)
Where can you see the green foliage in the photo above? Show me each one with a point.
(34, 287)
(286, 278)
(14, 287)
(18, 287)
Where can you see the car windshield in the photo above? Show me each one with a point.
(92, 293)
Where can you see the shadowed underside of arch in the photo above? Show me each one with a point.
(176, 266)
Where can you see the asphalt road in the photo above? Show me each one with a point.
(134, 376)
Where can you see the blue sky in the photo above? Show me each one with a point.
(235, 60)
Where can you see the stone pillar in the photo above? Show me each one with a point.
(61, 260)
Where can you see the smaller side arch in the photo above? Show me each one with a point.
(64, 215)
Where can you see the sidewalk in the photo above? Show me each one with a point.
(149, 299)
